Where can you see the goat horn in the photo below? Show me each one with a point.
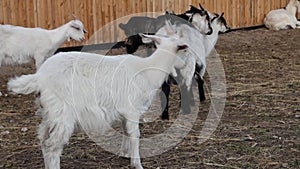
(75, 17)
(201, 7)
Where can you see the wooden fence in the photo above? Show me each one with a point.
(95, 14)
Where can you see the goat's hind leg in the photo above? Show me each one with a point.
(53, 136)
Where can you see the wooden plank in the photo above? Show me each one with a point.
(51, 15)
(1, 12)
(14, 13)
(53, 12)
(175, 5)
(142, 6)
(43, 14)
(254, 12)
(114, 37)
(234, 13)
(262, 14)
(247, 13)
(185, 6)
(150, 9)
(35, 16)
(204, 3)
(21, 7)
(159, 6)
(107, 20)
(218, 6)
(6, 12)
(227, 12)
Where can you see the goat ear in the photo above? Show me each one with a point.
(169, 28)
(217, 15)
(75, 17)
(222, 14)
(182, 47)
(150, 38)
(75, 25)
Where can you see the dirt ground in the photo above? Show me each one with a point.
(260, 126)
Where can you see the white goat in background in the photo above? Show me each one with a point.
(283, 18)
(92, 91)
(19, 45)
(200, 45)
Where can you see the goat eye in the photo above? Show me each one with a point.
(76, 28)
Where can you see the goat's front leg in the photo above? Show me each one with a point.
(125, 147)
(200, 83)
(39, 60)
(166, 92)
(132, 127)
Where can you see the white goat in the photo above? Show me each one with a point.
(283, 18)
(18, 45)
(93, 91)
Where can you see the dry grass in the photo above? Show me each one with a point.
(259, 127)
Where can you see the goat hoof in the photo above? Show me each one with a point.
(138, 167)
(185, 111)
(124, 154)
(164, 117)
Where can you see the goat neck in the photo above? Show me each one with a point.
(212, 39)
(291, 9)
(158, 66)
(60, 35)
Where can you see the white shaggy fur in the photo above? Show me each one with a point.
(19, 45)
(93, 91)
(283, 18)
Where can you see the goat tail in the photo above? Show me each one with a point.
(24, 84)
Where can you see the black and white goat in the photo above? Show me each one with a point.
(141, 24)
(218, 24)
